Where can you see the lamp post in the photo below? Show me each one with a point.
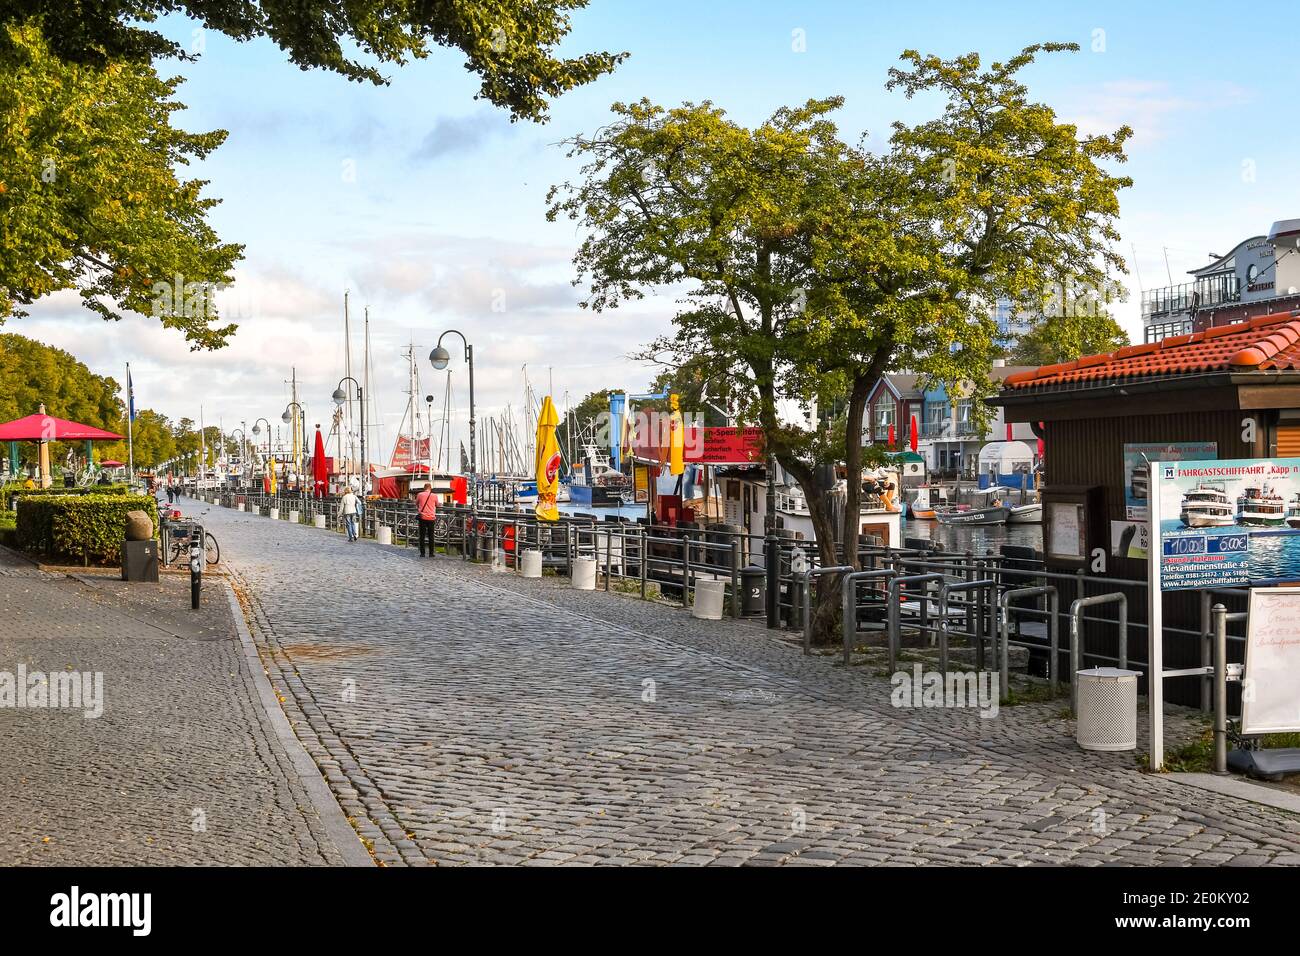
(288, 418)
(340, 396)
(257, 430)
(440, 358)
(243, 447)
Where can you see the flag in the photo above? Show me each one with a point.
(130, 395)
(547, 467)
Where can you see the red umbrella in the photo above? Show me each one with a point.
(1008, 431)
(911, 438)
(891, 433)
(319, 467)
(48, 428)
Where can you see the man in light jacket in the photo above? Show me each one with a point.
(348, 511)
(426, 507)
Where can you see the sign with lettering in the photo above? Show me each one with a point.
(1270, 699)
(1137, 455)
(1227, 523)
(721, 445)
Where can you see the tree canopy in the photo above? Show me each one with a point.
(90, 198)
(811, 267)
(509, 44)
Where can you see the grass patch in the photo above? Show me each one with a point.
(1197, 755)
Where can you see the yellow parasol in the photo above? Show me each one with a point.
(676, 438)
(548, 462)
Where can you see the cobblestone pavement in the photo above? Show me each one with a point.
(181, 768)
(463, 716)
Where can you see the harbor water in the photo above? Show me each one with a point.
(974, 538)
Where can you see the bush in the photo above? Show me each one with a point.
(9, 492)
(90, 525)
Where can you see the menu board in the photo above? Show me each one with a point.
(1065, 533)
(1270, 700)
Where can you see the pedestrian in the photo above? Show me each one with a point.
(171, 490)
(348, 510)
(426, 507)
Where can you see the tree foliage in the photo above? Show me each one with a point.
(1064, 338)
(811, 267)
(509, 44)
(89, 193)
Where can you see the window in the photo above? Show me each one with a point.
(964, 424)
(884, 418)
(936, 417)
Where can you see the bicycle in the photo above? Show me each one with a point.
(179, 536)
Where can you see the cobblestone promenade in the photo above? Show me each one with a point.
(182, 766)
(463, 716)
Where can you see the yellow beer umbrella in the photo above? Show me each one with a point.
(548, 462)
(676, 438)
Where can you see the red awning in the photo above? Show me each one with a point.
(48, 428)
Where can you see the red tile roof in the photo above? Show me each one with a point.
(1267, 343)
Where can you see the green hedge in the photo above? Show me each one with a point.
(90, 526)
(9, 492)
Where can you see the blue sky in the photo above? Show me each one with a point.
(429, 206)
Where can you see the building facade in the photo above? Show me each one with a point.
(948, 437)
(1260, 276)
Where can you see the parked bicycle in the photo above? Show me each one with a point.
(179, 532)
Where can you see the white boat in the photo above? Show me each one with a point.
(1207, 506)
(1031, 513)
(995, 512)
(1140, 481)
(1261, 507)
(1293, 512)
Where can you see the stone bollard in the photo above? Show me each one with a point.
(530, 564)
(584, 574)
(239, 506)
(273, 514)
(318, 521)
(708, 600)
(293, 516)
(384, 535)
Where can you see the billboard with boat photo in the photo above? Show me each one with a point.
(1228, 523)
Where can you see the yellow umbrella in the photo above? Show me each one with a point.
(548, 462)
(676, 438)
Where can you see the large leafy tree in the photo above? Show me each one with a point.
(1065, 337)
(811, 267)
(90, 198)
(509, 44)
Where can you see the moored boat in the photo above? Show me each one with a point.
(1031, 513)
(1261, 507)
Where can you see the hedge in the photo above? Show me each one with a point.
(12, 491)
(83, 526)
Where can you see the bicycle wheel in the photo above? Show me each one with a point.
(211, 550)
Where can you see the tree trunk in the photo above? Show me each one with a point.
(853, 468)
(826, 610)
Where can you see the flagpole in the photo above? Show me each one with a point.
(130, 419)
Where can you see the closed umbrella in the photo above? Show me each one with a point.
(319, 467)
(891, 434)
(911, 440)
(676, 438)
(547, 466)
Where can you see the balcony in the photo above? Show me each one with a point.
(936, 429)
(1176, 299)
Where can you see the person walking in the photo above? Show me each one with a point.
(348, 509)
(426, 507)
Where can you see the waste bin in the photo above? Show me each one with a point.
(753, 590)
(1107, 705)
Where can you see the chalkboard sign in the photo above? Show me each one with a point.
(1271, 692)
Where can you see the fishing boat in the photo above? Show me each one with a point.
(1261, 507)
(1293, 512)
(595, 483)
(995, 512)
(1207, 506)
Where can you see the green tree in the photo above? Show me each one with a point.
(89, 196)
(32, 374)
(1066, 337)
(812, 267)
(509, 43)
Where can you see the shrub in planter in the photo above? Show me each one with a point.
(9, 492)
(92, 526)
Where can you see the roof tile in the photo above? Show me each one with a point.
(1266, 343)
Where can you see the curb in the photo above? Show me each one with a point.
(1233, 786)
(332, 818)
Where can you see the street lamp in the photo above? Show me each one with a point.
(287, 418)
(440, 358)
(341, 396)
(243, 448)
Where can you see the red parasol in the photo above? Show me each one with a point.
(1009, 433)
(320, 467)
(891, 433)
(48, 428)
(911, 438)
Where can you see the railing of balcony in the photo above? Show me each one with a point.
(1211, 290)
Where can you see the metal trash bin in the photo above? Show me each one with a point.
(1107, 718)
(753, 590)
